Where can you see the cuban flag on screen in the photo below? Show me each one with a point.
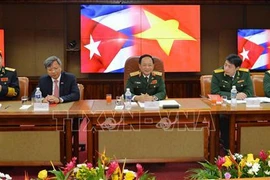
(108, 41)
(253, 48)
(110, 34)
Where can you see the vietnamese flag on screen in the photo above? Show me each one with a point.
(2, 45)
(112, 33)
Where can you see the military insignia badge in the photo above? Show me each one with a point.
(154, 81)
(240, 81)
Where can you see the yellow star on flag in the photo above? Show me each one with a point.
(164, 31)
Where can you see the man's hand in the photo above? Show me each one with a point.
(144, 97)
(51, 99)
(241, 96)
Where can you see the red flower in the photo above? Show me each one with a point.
(70, 165)
(263, 155)
(220, 161)
(139, 171)
(89, 165)
(112, 168)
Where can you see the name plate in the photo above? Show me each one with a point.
(41, 106)
(253, 102)
(151, 105)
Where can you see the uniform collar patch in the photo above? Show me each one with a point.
(241, 81)
(4, 79)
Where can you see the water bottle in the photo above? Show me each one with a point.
(38, 96)
(128, 97)
(233, 96)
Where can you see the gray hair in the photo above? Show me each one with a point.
(48, 62)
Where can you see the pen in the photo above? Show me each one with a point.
(7, 106)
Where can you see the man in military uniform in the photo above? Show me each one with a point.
(266, 83)
(231, 74)
(9, 83)
(146, 84)
(222, 81)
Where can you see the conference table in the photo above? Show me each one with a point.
(249, 127)
(51, 131)
(256, 122)
(190, 128)
(193, 112)
(194, 115)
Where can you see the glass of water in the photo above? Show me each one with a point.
(224, 100)
(24, 99)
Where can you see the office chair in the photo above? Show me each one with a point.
(24, 86)
(205, 81)
(257, 81)
(132, 65)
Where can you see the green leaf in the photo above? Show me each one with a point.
(58, 174)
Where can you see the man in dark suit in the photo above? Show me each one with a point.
(57, 86)
(146, 84)
(60, 87)
(9, 83)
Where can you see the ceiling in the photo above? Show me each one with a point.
(143, 1)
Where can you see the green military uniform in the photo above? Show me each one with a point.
(266, 83)
(10, 83)
(222, 84)
(155, 85)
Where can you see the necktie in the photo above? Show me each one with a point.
(146, 78)
(56, 89)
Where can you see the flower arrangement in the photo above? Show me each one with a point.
(234, 166)
(106, 170)
(4, 176)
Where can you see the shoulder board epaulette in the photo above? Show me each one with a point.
(268, 71)
(134, 73)
(9, 69)
(244, 69)
(157, 73)
(219, 70)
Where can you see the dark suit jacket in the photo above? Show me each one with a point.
(69, 90)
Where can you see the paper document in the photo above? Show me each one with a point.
(168, 102)
(120, 107)
(262, 99)
(238, 101)
(141, 104)
(25, 106)
(162, 102)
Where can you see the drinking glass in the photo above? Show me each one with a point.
(213, 100)
(118, 101)
(109, 98)
(24, 99)
(224, 100)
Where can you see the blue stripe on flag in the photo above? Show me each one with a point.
(262, 67)
(128, 32)
(249, 32)
(93, 11)
(265, 46)
(121, 70)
